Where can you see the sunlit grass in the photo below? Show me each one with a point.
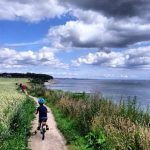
(10, 99)
(16, 112)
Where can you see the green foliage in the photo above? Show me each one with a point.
(20, 124)
(36, 90)
(10, 99)
(97, 140)
(78, 96)
(107, 126)
(69, 129)
(43, 77)
(38, 80)
(16, 114)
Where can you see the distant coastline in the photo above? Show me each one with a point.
(112, 88)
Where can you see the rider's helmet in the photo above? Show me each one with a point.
(41, 100)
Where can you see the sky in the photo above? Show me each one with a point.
(76, 38)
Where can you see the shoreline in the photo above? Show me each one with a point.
(97, 117)
(114, 91)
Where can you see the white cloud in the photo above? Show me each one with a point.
(10, 58)
(30, 10)
(23, 44)
(131, 58)
(92, 29)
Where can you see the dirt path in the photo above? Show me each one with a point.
(53, 138)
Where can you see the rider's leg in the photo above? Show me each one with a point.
(44, 123)
(47, 128)
(39, 125)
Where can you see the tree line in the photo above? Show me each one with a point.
(35, 78)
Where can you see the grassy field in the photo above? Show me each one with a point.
(93, 122)
(15, 111)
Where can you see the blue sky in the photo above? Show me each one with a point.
(76, 39)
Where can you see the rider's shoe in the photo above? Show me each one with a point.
(47, 128)
(38, 128)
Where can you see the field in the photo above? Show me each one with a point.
(12, 108)
(10, 99)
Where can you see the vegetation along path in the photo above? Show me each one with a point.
(53, 138)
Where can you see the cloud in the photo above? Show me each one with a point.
(10, 58)
(23, 44)
(98, 24)
(100, 32)
(116, 9)
(131, 58)
(30, 10)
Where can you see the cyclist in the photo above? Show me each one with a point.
(23, 87)
(42, 110)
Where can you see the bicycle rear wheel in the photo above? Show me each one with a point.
(43, 133)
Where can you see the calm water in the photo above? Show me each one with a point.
(112, 89)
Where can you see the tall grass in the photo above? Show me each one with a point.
(16, 114)
(10, 99)
(16, 137)
(104, 124)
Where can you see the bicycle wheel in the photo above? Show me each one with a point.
(43, 133)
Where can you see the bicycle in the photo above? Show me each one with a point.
(42, 129)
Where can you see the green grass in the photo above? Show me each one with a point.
(99, 123)
(16, 114)
(69, 129)
(68, 126)
(17, 135)
(12, 81)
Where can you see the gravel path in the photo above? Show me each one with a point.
(53, 138)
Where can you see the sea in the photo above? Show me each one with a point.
(114, 90)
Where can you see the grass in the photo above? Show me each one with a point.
(17, 135)
(10, 99)
(100, 123)
(69, 129)
(67, 125)
(16, 114)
